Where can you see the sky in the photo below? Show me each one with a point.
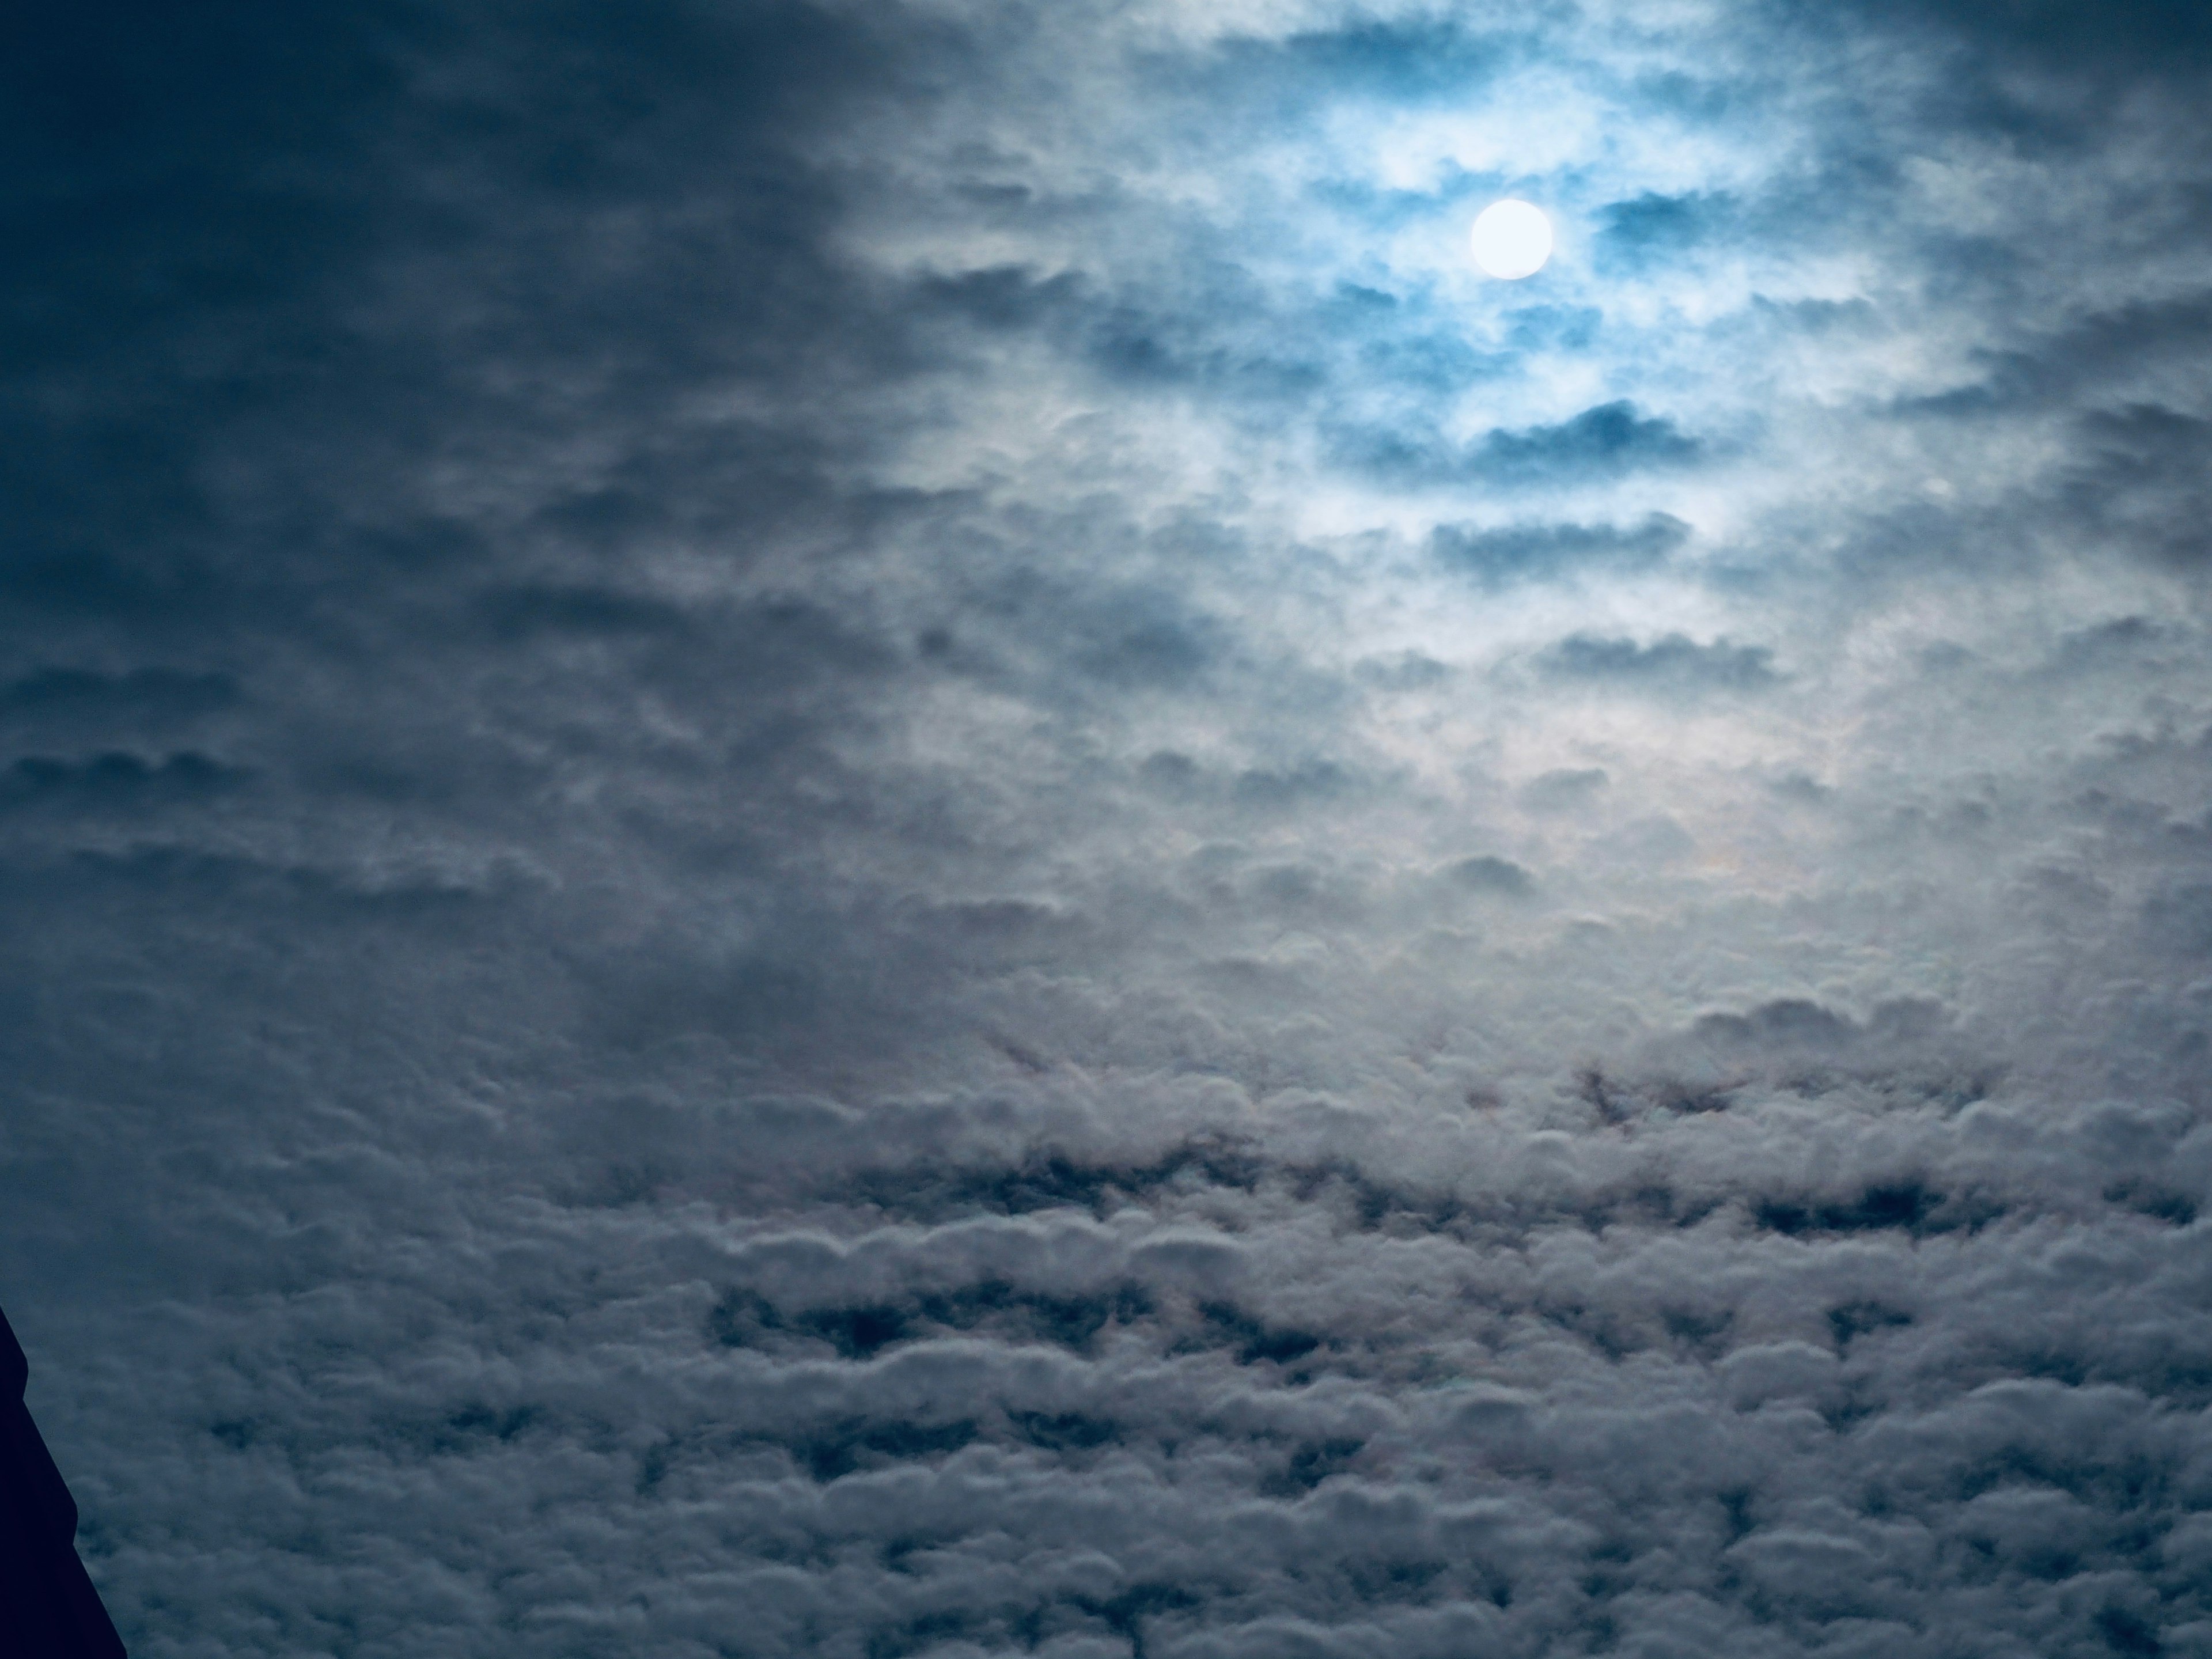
(869, 830)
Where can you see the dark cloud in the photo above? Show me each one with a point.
(1564, 788)
(162, 693)
(114, 778)
(2139, 483)
(1607, 441)
(1487, 874)
(1674, 660)
(2142, 36)
(516, 612)
(1542, 552)
(1397, 61)
(1652, 226)
(1608, 438)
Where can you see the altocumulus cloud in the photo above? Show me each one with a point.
(868, 830)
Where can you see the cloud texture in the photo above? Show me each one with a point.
(868, 830)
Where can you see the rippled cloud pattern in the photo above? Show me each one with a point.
(871, 830)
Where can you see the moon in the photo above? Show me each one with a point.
(1511, 240)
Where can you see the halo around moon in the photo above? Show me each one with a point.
(1511, 240)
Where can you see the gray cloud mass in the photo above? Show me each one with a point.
(871, 831)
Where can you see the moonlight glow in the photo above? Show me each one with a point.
(1511, 240)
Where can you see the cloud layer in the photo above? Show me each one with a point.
(869, 830)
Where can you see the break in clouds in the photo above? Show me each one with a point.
(871, 830)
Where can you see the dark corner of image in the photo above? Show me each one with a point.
(48, 1607)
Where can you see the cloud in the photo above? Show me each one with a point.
(1610, 437)
(1542, 552)
(2135, 485)
(114, 778)
(1674, 660)
(1487, 874)
(869, 830)
(1651, 225)
(1564, 788)
(1607, 440)
(163, 692)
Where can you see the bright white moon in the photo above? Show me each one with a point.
(1511, 240)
